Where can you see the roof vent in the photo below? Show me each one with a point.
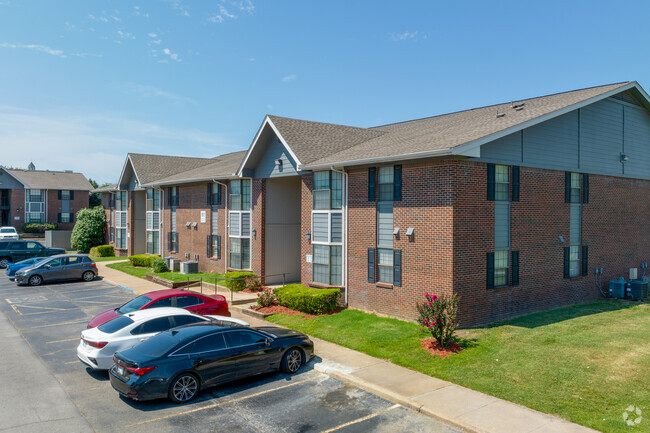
(31, 166)
(500, 114)
(68, 171)
(518, 107)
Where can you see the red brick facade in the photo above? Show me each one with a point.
(52, 204)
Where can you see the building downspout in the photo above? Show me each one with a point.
(161, 223)
(345, 231)
(225, 220)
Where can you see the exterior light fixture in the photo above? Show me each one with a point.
(624, 158)
(410, 232)
(278, 162)
(396, 231)
(561, 239)
(254, 233)
(308, 235)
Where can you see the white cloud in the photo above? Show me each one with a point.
(148, 91)
(152, 35)
(289, 78)
(173, 56)
(216, 19)
(223, 11)
(39, 48)
(125, 35)
(405, 36)
(244, 6)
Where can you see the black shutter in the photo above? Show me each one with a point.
(208, 199)
(397, 268)
(585, 260)
(490, 271)
(58, 194)
(177, 198)
(209, 244)
(71, 217)
(371, 265)
(219, 247)
(515, 183)
(58, 217)
(567, 252)
(567, 187)
(490, 182)
(585, 188)
(515, 268)
(218, 194)
(372, 179)
(169, 196)
(397, 183)
(71, 195)
(169, 241)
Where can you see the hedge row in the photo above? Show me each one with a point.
(102, 251)
(307, 300)
(38, 227)
(238, 285)
(144, 260)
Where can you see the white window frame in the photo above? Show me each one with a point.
(238, 212)
(329, 226)
(29, 205)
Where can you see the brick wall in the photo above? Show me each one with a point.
(81, 201)
(17, 209)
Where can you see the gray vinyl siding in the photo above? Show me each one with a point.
(234, 224)
(245, 224)
(266, 166)
(385, 225)
(575, 231)
(337, 227)
(637, 141)
(501, 226)
(8, 182)
(588, 140)
(320, 227)
(601, 137)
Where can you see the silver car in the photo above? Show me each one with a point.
(57, 268)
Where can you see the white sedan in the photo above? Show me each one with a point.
(8, 233)
(98, 345)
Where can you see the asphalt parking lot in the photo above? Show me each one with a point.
(51, 317)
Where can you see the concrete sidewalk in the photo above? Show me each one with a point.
(469, 410)
(140, 286)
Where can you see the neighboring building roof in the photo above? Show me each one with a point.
(106, 188)
(149, 168)
(318, 144)
(222, 166)
(39, 179)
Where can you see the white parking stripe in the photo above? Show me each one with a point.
(358, 420)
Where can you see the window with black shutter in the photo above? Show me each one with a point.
(371, 265)
(515, 183)
(490, 181)
(515, 268)
(372, 180)
(490, 270)
(397, 183)
(585, 260)
(397, 267)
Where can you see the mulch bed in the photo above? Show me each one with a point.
(431, 345)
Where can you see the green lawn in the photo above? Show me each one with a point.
(139, 271)
(584, 363)
(108, 259)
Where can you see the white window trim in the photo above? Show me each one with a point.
(28, 206)
(329, 226)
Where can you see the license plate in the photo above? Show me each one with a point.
(120, 370)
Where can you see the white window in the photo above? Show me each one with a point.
(34, 206)
(240, 223)
(575, 188)
(501, 183)
(575, 237)
(120, 219)
(386, 183)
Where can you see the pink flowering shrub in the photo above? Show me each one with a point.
(266, 298)
(438, 315)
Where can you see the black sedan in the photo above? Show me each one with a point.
(181, 362)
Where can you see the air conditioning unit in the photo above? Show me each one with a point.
(189, 267)
(638, 289)
(175, 264)
(617, 289)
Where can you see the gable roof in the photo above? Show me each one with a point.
(149, 168)
(219, 167)
(321, 145)
(107, 188)
(43, 179)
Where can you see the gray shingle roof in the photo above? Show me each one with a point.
(106, 188)
(321, 144)
(43, 179)
(222, 166)
(150, 168)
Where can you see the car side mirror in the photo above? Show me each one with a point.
(267, 342)
(47, 266)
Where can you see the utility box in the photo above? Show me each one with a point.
(175, 264)
(168, 260)
(189, 267)
(617, 289)
(634, 272)
(638, 289)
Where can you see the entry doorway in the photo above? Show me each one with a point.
(282, 229)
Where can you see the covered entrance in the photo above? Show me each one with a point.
(282, 229)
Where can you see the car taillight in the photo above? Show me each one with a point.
(94, 265)
(97, 344)
(140, 371)
(219, 298)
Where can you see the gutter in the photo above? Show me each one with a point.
(382, 159)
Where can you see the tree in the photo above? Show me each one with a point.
(95, 197)
(88, 230)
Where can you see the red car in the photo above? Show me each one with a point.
(192, 301)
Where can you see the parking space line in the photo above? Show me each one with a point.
(75, 322)
(62, 341)
(216, 404)
(44, 308)
(15, 308)
(71, 362)
(358, 420)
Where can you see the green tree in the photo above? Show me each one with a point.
(95, 197)
(88, 230)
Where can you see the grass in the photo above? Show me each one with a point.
(108, 259)
(138, 271)
(585, 363)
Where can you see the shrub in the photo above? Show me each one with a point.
(439, 316)
(88, 229)
(102, 251)
(143, 260)
(310, 301)
(237, 281)
(266, 298)
(158, 265)
(254, 284)
(38, 227)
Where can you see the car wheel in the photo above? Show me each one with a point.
(184, 388)
(292, 360)
(35, 280)
(3, 262)
(88, 276)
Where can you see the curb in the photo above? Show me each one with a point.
(255, 314)
(393, 397)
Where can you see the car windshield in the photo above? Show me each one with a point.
(8, 230)
(115, 325)
(134, 305)
(30, 261)
(158, 345)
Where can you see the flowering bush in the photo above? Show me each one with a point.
(438, 316)
(253, 284)
(266, 298)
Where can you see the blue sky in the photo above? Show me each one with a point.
(84, 82)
